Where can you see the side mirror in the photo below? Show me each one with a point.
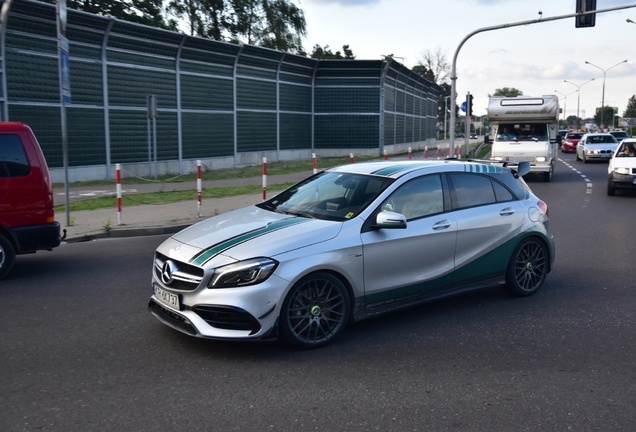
(390, 220)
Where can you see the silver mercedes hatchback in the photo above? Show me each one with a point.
(352, 242)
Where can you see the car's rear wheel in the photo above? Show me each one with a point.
(611, 190)
(315, 311)
(527, 269)
(7, 256)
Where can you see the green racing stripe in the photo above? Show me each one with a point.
(207, 254)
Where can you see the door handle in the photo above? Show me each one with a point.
(441, 225)
(507, 211)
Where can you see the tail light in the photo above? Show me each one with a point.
(544, 207)
(50, 216)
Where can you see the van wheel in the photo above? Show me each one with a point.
(7, 256)
(547, 176)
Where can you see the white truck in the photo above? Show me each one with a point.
(525, 129)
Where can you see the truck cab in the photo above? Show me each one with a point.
(525, 129)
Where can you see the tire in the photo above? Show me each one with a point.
(315, 311)
(527, 269)
(577, 155)
(7, 256)
(547, 176)
(583, 159)
(611, 190)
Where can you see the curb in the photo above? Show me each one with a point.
(129, 232)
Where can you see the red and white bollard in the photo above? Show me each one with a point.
(425, 152)
(410, 154)
(439, 152)
(264, 178)
(386, 156)
(199, 188)
(118, 180)
(313, 161)
(351, 157)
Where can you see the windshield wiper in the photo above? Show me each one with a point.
(298, 213)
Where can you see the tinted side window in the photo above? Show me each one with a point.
(13, 158)
(419, 197)
(472, 190)
(502, 193)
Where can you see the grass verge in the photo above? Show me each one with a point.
(166, 197)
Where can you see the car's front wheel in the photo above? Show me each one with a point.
(611, 190)
(315, 311)
(527, 269)
(7, 256)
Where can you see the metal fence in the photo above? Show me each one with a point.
(226, 104)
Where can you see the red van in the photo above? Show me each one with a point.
(27, 219)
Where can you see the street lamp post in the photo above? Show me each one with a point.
(445, 113)
(565, 104)
(578, 102)
(604, 73)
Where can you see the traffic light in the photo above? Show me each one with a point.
(469, 104)
(585, 20)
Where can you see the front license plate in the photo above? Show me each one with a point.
(169, 299)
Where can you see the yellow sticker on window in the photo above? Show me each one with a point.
(349, 215)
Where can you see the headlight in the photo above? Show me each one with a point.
(540, 158)
(621, 170)
(497, 158)
(248, 272)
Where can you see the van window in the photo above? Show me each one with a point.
(522, 132)
(13, 158)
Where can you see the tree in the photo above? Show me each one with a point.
(277, 24)
(507, 92)
(630, 111)
(608, 116)
(433, 66)
(326, 53)
(148, 12)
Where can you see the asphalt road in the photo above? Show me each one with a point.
(79, 351)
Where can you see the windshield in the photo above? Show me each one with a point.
(333, 196)
(626, 150)
(601, 139)
(573, 136)
(523, 132)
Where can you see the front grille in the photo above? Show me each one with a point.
(227, 317)
(186, 278)
(172, 318)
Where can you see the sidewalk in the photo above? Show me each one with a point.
(152, 219)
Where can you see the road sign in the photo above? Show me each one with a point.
(463, 106)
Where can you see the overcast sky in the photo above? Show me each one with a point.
(535, 58)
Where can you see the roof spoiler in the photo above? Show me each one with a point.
(519, 169)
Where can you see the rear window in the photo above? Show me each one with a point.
(13, 158)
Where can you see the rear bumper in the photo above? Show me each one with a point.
(32, 238)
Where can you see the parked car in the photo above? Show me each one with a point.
(598, 146)
(27, 218)
(619, 135)
(621, 172)
(570, 142)
(350, 243)
(460, 135)
(473, 136)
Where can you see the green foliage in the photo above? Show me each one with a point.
(507, 92)
(606, 119)
(630, 111)
(326, 53)
(147, 12)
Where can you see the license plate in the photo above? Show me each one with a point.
(169, 299)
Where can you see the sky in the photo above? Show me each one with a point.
(535, 59)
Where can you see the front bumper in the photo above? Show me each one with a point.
(623, 181)
(248, 313)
